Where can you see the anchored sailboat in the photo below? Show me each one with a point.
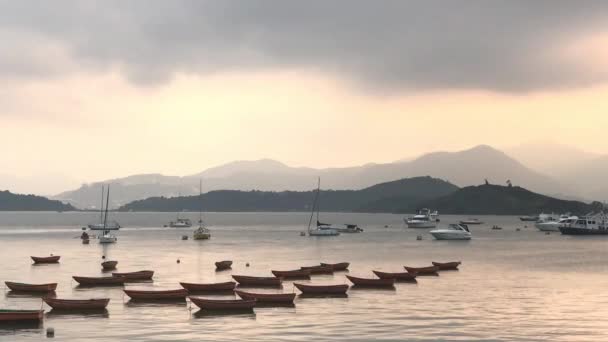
(322, 229)
(103, 225)
(106, 236)
(201, 233)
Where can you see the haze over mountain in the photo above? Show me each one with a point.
(468, 167)
(553, 159)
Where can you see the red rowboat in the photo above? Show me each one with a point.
(99, 281)
(139, 275)
(109, 265)
(257, 281)
(423, 271)
(341, 266)
(194, 287)
(295, 274)
(398, 276)
(77, 304)
(21, 315)
(31, 287)
(53, 259)
(447, 265)
(319, 269)
(155, 294)
(267, 297)
(322, 289)
(371, 282)
(218, 304)
(223, 265)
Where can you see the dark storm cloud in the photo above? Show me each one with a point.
(383, 45)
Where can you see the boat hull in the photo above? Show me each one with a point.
(267, 297)
(179, 294)
(341, 266)
(109, 265)
(423, 271)
(257, 281)
(46, 260)
(139, 275)
(371, 282)
(100, 226)
(223, 265)
(214, 304)
(582, 231)
(319, 269)
(547, 226)
(323, 232)
(450, 235)
(209, 287)
(443, 266)
(21, 287)
(100, 281)
(398, 276)
(421, 224)
(322, 289)
(21, 315)
(77, 304)
(295, 274)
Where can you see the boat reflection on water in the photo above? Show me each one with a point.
(81, 313)
(244, 313)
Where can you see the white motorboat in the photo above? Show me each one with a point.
(180, 223)
(423, 219)
(471, 221)
(452, 232)
(107, 237)
(349, 228)
(553, 225)
(103, 223)
(202, 232)
(322, 229)
(587, 225)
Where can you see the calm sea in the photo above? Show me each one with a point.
(513, 285)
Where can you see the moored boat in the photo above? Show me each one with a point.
(371, 282)
(322, 289)
(157, 294)
(100, 281)
(452, 265)
(294, 274)
(267, 297)
(318, 269)
(109, 265)
(23, 287)
(398, 276)
(452, 232)
(257, 281)
(138, 275)
(528, 218)
(77, 304)
(209, 287)
(592, 225)
(471, 221)
(180, 223)
(53, 259)
(341, 266)
(8, 315)
(223, 265)
(322, 229)
(424, 218)
(423, 271)
(220, 304)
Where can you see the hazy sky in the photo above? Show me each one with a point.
(91, 90)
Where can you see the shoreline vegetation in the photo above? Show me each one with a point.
(398, 197)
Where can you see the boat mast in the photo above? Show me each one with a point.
(105, 220)
(314, 205)
(101, 206)
(318, 198)
(200, 196)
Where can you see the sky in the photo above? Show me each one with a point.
(92, 90)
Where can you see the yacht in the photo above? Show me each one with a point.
(180, 223)
(422, 219)
(202, 232)
(322, 229)
(553, 225)
(589, 225)
(349, 228)
(103, 223)
(452, 232)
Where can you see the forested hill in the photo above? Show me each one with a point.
(408, 192)
(17, 202)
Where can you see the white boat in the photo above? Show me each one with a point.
(322, 229)
(452, 232)
(586, 225)
(103, 224)
(349, 228)
(202, 232)
(553, 225)
(106, 236)
(423, 219)
(471, 221)
(180, 223)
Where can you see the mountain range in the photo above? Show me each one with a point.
(17, 202)
(463, 168)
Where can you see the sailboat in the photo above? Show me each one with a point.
(106, 236)
(180, 222)
(322, 229)
(102, 225)
(201, 233)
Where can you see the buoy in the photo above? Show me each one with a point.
(517, 229)
(184, 237)
(103, 256)
(419, 237)
(302, 234)
(178, 261)
(386, 226)
(50, 332)
(247, 265)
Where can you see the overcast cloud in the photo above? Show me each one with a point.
(506, 46)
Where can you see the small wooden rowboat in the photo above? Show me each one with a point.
(223, 265)
(398, 276)
(371, 282)
(423, 271)
(267, 297)
(22, 287)
(139, 275)
(453, 265)
(341, 266)
(295, 274)
(222, 304)
(157, 294)
(319, 269)
(53, 259)
(257, 281)
(100, 281)
(77, 304)
(109, 265)
(21, 315)
(209, 287)
(322, 289)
